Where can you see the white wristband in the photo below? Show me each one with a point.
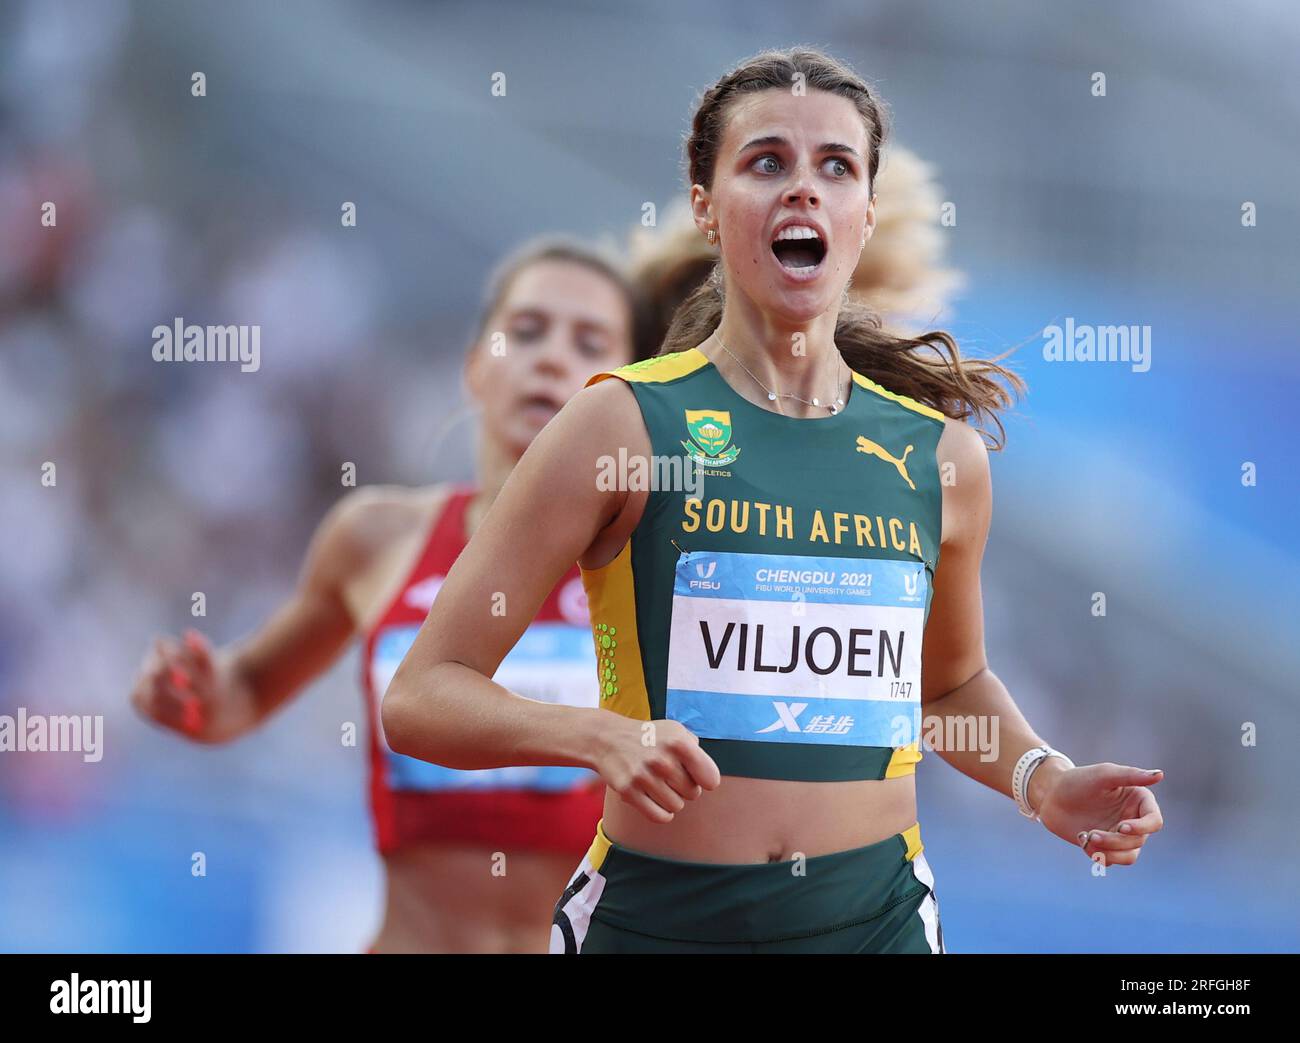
(1024, 771)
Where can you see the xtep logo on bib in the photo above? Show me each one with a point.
(787, 718)
(866, 445)
(710, 431)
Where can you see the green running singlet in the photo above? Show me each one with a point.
(776, 610)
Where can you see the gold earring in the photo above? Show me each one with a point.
(712, 235)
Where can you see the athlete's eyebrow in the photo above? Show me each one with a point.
(527, 311)
(599, 325)
(585, 322)
(776, 139)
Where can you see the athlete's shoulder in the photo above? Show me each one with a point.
(604, 413)
(366, 521)
(658, 369)
(963, 458)
(867, 384)
(379, 504)
(963, 444)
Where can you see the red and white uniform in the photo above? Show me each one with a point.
(547, 808)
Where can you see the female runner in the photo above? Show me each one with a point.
(760, 640)
(473, 860)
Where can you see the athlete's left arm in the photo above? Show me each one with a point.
(1108, 804)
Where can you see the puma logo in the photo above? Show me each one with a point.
(866, 445)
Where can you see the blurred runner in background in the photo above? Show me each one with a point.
(473, 859)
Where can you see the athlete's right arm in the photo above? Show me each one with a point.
(215, 695)
(443, 706)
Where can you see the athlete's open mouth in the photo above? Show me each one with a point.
(799, 248)
(540, 404)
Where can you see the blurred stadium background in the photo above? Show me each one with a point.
(1115, 210)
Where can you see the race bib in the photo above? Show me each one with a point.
(779, 648)
(552, 662)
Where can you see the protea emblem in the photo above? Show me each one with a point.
(710, 431)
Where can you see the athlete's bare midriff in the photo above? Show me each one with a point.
(769, 820)
(457, 898)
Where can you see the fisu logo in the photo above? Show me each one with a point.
(705, 573)
(912, 583)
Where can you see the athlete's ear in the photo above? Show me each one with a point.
(870, 226)
(702, 210)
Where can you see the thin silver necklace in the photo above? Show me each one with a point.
(835, 406)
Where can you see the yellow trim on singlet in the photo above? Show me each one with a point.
(904, 761)
(611, 602)
(912, 834)
(599, 847)
(902, 400)
(658, 369)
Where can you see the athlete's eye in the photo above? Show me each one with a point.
(593, 346)
(527, 329)
(844, 169)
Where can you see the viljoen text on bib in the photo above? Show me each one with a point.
(783, 648)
